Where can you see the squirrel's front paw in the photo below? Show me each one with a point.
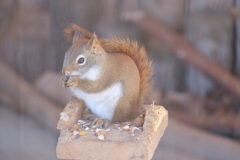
(68, 81)
(63, 80)
(99, 123)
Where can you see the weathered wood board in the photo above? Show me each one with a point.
(206, 5)
(24, 138)
(237, 42)
(140, 145)
(169, 12)
(197, 144)
(210, 32)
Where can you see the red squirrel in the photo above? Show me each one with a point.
(111, 76)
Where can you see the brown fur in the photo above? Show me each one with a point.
(131, 48)
(139, 56)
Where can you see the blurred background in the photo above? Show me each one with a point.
(204, 116)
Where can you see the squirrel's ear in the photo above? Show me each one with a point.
(76, 36)
(93, 44)
(74, 33)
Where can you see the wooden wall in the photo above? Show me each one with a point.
(209, 28)
(33, 42)
(237, 42)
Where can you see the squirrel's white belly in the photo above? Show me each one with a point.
(103, 103)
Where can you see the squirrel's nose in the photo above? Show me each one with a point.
(66, 73)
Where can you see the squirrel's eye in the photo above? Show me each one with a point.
(81, 60)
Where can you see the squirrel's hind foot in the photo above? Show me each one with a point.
(88, 115)
(101, 123)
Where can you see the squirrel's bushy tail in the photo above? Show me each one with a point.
(139, 56)
(131, 48)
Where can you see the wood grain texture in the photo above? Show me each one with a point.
(197, 143)
(54, 90)
(184, 51)
(140, 146)
(29, 99)
(211, 34)
(206, 5)
(237, 42)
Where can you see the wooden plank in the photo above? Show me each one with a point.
(6, 15)
(214, 41)
(31, 101)
(32, 3)
(26, 43)
(204, 5)
(109, 24)
(184, 51)
(54, 90)
(84, 13)
(141, 145)
(167, 68)
(198, 143)
(34, 23)
(9, 101)
(237, 42)
(170, 12)
(130, 5)
(168, 153)
(24, 138)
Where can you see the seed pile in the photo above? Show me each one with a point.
(82, 128)
(128, 127)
